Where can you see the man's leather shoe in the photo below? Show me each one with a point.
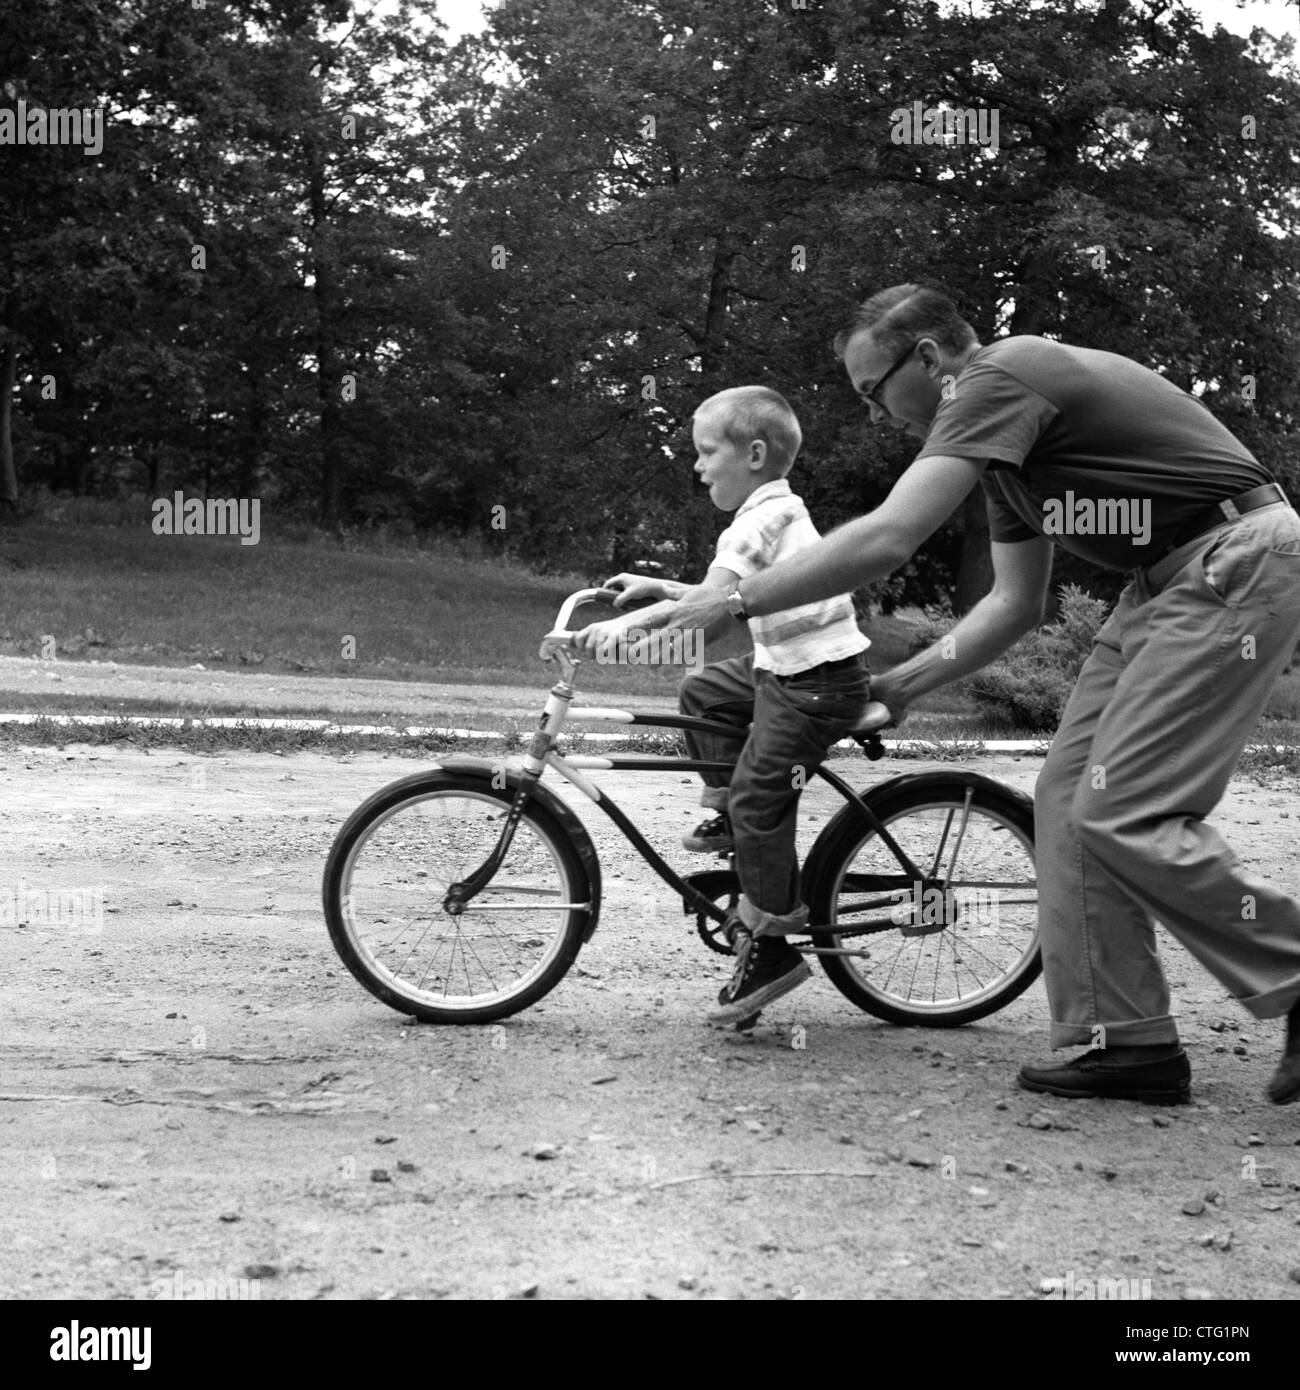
(1285, 1085)
(1163, 1081)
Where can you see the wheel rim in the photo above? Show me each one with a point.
(396, 875)
(938, 958)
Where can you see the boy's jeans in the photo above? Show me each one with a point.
(795, 720)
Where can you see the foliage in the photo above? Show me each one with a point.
(490, 305)
(1028, 687)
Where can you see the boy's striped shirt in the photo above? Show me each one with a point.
(771, 526)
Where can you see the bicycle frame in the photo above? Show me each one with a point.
(542, 753)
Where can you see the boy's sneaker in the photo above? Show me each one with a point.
(761, 976)
(711, 836)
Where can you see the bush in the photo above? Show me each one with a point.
(1029, 686)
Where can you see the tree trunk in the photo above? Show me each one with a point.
(8, 473)
(328, 373)
(715, 314)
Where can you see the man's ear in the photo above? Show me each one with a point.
(932, 355)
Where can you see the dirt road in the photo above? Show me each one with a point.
(199, 1094)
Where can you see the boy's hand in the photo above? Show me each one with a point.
(635, 587)
(592, 641)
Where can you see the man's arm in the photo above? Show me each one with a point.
(718, 582)
(1012, 607)
(868, 548)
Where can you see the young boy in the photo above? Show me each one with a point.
(802, 689)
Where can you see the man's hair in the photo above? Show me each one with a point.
(746, 413)
(904, 314)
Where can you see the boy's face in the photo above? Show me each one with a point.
(731, 472)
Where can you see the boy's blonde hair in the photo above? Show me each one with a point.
(758, 412)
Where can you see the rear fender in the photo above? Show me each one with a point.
(877, 796)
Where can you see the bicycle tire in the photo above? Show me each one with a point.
(358, 950)
(840, 844)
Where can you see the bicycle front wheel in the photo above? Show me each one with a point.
(954, 945)
(386, 880)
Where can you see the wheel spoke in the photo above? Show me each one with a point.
(962, 955)
(514, 936)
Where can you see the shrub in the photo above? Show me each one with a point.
(1028, 686)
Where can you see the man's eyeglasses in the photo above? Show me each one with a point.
(873, 396)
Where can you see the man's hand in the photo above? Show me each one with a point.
(700, 607)
(884, 690)
(635, 587)
(594, 641)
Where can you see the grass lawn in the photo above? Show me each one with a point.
(118, 592)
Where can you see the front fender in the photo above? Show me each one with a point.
(508, 776)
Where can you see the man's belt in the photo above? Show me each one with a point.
(1229, 509)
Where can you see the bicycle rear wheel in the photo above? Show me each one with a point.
(387, 876)
(957, 944)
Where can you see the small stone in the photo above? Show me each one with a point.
(1164, 1267)
(1000, 1105)
(1039, 1121)
(228, 1217)
(542, 1151)
(1240, 1050)
(1193, 1208)
(1197, 1295)
(1294, 1275)
(1254, 1140)
(688, 1282)
(385, 1139)
(847, 1139)
(754, 1126)
(1215, 1196)
(406, 1166)
(972, 1242)
(380, 1175)
(1012, 1167)
(1161, 1121)
(261, 1272)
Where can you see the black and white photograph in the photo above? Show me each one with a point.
(649, 650)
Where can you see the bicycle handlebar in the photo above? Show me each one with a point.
(558, 637)
(875, 716)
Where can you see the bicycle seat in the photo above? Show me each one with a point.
(875, 716)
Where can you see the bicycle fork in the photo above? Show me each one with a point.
(541, 743)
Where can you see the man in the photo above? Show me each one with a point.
(1092, 452)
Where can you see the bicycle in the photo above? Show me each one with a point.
(463, 893)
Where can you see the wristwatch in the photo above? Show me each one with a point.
(736, 605)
